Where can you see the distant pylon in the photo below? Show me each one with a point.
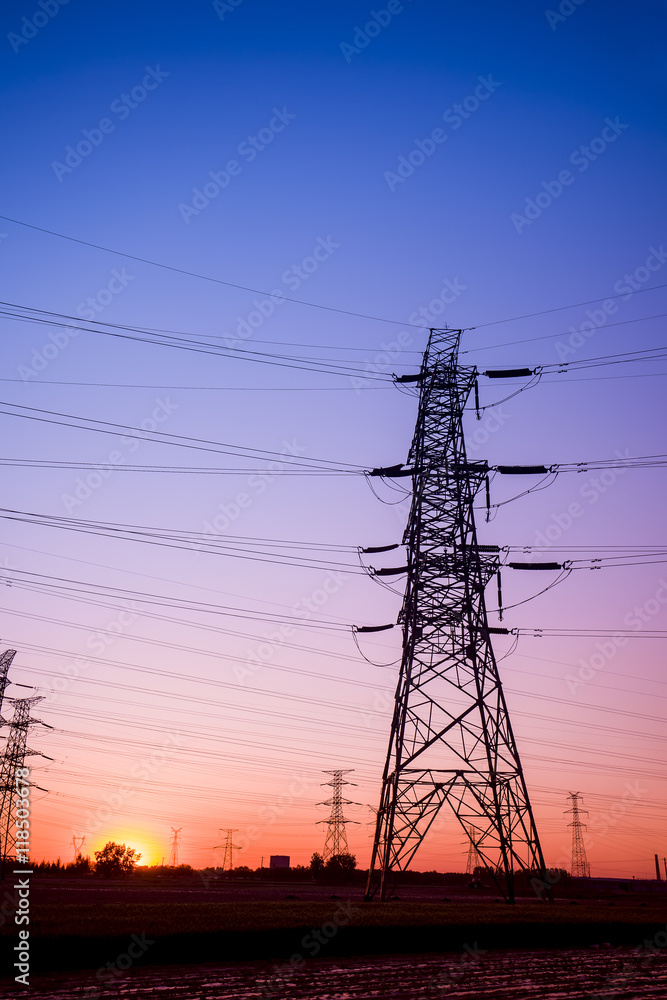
(229, 847)
(77, 846)
(5, 664)
(336, 838)
(580, 865)
(16, 751)
(474, 857)
(173, 852)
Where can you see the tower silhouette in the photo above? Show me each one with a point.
(580, 865)
(5, 664)
(474, 857)
(229, 847)
(173, 850)
(335, 841)
(16, 750)
(451, 739)
(77, 844)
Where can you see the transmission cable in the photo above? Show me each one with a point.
(180, 440)
(203, 277)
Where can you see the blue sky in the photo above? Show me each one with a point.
(318, 214)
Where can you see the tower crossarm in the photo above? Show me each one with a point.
(450, 715)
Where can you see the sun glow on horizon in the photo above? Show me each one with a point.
(151, 852)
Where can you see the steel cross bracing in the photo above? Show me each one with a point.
(229, 847)
(14, 756)
(336, 839)
(451, 739)
(580, 865)
(5, 664)
(173, 849)
(474, 859)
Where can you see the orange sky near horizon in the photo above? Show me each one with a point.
(198, 668)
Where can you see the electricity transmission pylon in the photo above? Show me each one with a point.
(5, 664)
(229, 847)
(451, 739)
(173, 851)
(474, 857)
(16, 751)
(580, 865)
(336, 839)
(77, 844)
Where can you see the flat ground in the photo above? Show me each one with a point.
(79, 924)
(142, 890)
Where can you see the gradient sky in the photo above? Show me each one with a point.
(140, 734)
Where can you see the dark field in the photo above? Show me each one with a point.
(582, 974)
(84, 925)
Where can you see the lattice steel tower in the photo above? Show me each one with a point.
(580, 865)
(77, 844)
(173, 851)
(474, 857)
(336, 838)
(5, 664)
(16, 751)
(451, 740)
(229, 847)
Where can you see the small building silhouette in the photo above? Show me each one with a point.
(279, 861)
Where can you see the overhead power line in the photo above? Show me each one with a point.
(552, 336)
(202, 388)
(202, 277)
(255, 550)
(553, 309)
(185, 342)
(312, 305)
(177, 440)
(184, 604)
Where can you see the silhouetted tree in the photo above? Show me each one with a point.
(81, 866)
(115, 860)
(341, 863)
